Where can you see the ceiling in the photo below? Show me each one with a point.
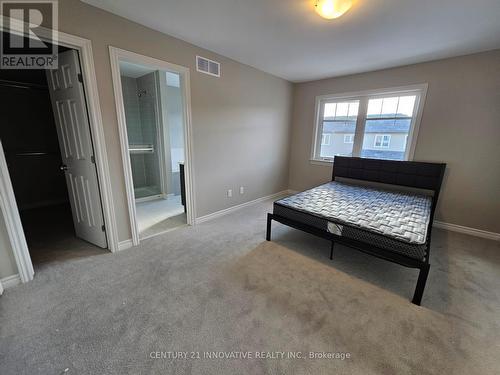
(288, 39)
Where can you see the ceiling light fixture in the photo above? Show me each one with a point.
(331, 9)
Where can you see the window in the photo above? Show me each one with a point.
(337, 118)
(348, 138)
(382, 140)
(380, 124)
(392, 114)
(326, 140)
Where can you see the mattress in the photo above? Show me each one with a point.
(393, 220)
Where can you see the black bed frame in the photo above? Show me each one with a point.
(421, 175)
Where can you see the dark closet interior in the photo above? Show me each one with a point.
(31, 147)
(29, 138)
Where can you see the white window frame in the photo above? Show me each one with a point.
(324, 137)
(382, 137)
(420, 92)
(348, 138)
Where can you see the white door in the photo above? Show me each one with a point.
(73, 130)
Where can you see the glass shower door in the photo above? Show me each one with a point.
(141, 113)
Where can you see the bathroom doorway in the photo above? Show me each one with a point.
(153, 106)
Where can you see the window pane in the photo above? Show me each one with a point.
(405, 106)
(339, 125)
(329, 110)
(348, 138)
(353, 109)
(374, 108)
(385, 139)
(389, 107)
(387, 127)
(398, 106)
(326, 140)
(342, 109)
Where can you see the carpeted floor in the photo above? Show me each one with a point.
(165, 225)
(219, 286)
(51, 236)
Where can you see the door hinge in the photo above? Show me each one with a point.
(92, 159)
(103, 228)
(80, 77)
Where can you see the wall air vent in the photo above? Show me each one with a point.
(207, 66)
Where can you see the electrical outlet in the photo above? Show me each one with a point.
(242, 190)
(230, 193)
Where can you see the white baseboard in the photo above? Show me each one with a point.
(10, 281)
(466, 230)
(456, 228)
(437, 224)
(124, 245)
(226, 211)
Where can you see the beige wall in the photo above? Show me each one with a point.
(242, 133)
(460, 126)
(241, 121)
(231, 115)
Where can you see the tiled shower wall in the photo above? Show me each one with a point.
(140, 113)
(149, 125)
(133, 118)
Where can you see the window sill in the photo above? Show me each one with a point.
(325, 163)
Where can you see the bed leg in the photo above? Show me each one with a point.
(331, 250)
(268, 232)
(422, 279)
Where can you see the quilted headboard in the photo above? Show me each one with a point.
(415, 174)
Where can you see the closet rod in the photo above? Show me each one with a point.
(22, 85)
(35, 153)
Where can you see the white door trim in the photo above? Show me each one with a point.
(84, 47)
(117, 54)
(15, 231)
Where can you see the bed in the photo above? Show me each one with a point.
(381, 207)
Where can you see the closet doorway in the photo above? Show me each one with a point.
(49, 155)
(152, 103)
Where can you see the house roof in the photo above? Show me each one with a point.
(372, 126)
(383, 154)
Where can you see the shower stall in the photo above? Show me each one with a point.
(142, 114)
(153, 111)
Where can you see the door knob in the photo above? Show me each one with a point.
(63, 167)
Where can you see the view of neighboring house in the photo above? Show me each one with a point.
(383, 138)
